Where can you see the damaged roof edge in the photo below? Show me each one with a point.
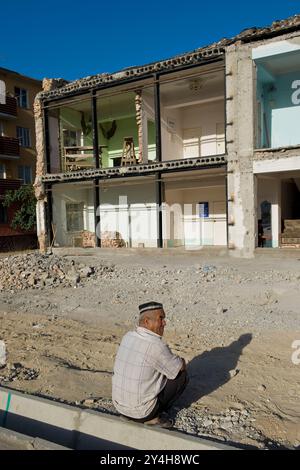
(131, 74)
(60, 88)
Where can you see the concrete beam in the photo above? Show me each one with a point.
(138, 170)
(276, 165)
(81, 429)
(276, 48)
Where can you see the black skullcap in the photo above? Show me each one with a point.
(149, 306)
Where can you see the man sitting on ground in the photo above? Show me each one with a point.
(148, 377)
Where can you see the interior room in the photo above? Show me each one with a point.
(278, 209)
(193, 113)
(195, 212)
(278, 100)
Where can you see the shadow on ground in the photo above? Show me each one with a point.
(211, 369)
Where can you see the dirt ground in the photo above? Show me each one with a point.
(233, 320)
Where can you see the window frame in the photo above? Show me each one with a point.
(3, 171)
(23, 93)
(70, 226)
(24, 137)
(22, 173)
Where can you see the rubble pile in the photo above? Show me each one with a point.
(206, 424)
(17, 371)
(200, 423)
(37, 271)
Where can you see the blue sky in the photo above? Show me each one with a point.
(73, 39)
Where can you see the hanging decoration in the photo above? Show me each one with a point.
(85, 127)
(109, 129)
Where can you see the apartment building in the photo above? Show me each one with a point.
(202, 149)
(17, 145)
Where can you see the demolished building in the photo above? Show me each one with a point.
(202, 149)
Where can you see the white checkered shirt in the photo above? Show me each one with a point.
(143, 364)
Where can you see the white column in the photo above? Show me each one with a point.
(276, 214)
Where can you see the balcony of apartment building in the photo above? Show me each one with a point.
(190, 121)
(7, 184)
(8, 107)
(9, 148)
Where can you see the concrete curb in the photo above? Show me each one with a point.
(12, 440)
(80, 429)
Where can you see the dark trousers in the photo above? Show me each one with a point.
(169, 394)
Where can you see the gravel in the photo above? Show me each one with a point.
(226, 298)
(36, 271)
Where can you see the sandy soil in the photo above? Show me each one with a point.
(233, 320)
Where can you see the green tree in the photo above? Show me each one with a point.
(25, 214)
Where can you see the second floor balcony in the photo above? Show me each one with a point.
(9, 109)
(184, 119)
(9, 147)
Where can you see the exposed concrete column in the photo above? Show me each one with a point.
(40, 193)
(240, 146)
(41, 163)
(139, 120)
(145, 137)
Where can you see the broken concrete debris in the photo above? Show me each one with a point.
(17, 371)
(36, 271)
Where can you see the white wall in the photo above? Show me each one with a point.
(191, 229)
(54, 144)
(206, 117)
(171, 134)
(131, 211)
(173, 223)
(69, 193)
(270, 190)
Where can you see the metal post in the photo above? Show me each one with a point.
(49, 213)
(97, 165)
(157, 117)
(95, 130)
(159, 199)
(97, 207)
(46, 140)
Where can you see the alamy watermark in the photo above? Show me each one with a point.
(296, 354)
(139, 220)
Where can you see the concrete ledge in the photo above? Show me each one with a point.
(80, 429)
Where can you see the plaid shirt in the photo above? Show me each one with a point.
(143, 364)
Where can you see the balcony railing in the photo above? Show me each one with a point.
(78, 158)
(9, 109)
(9, 147)
(7, 184)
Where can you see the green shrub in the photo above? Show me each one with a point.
(25, 214)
